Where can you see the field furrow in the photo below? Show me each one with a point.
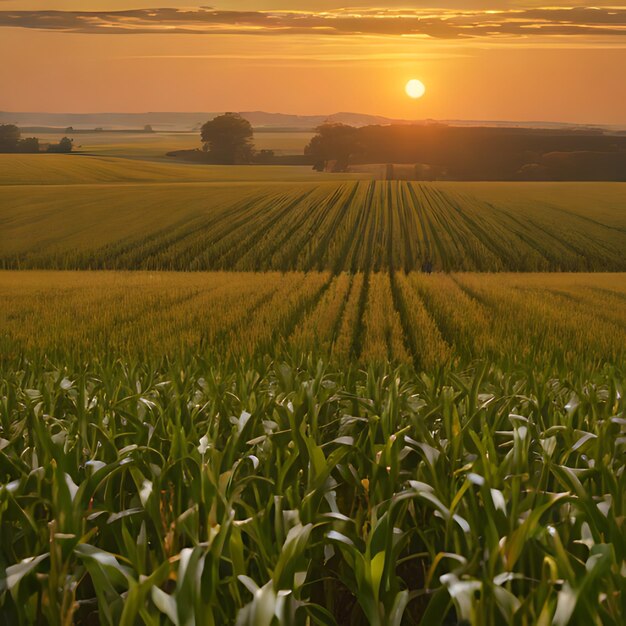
(320, 326)
(323, 245)
(428, 347)
(382, 331)
(335, 225)
(350, 320)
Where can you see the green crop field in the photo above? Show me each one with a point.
(82, 212)
(214, 448)
(302, 428)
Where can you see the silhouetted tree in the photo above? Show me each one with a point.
(29, 145)
(64, 146)
(333, 142)
(9, 138)
(228, 139)
(474, 153)
(148, 129)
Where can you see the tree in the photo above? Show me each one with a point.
(9, 138)
(148, 128)
(333, 142)
(29, 145)
(64, 146)
(228, 139)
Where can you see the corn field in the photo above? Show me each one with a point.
(178, 491)
(302, 428)
(338, 226)
(312, 448)
(424, 320)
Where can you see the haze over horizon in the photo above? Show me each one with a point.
(479, 60)
(188, 121)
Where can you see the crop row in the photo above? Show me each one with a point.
(181, 491)
(416, 318)
(347, 226)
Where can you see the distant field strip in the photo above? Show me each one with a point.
(422, 319)
(76, 169)
(337, 226)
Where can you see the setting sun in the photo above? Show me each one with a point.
(415, 89)
(236, 229)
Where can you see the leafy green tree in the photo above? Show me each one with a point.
(64, 146)
(9, 138)
(28, 145)
(228, 139)
(333, 142)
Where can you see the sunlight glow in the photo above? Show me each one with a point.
(415, 89)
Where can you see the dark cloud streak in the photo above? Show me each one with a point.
(440, 24)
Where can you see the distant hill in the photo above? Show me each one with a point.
(180, 121)
(172, 121)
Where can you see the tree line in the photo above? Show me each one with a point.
(441, 152)
(11, 142)
(435, 151)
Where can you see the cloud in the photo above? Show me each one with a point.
(433, 23)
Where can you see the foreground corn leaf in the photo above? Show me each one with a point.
(196, 491)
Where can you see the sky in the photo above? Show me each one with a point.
(479, 60)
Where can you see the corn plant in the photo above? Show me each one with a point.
(189, 490)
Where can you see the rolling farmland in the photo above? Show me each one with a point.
(120, 214)
(354, 356)
(302, 428)
(156, 144)
(64, 170)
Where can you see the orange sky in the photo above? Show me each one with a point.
(478, 60)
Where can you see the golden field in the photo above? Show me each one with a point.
(415, 318)
(80, 212)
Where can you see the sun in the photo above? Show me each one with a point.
(415, 89)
